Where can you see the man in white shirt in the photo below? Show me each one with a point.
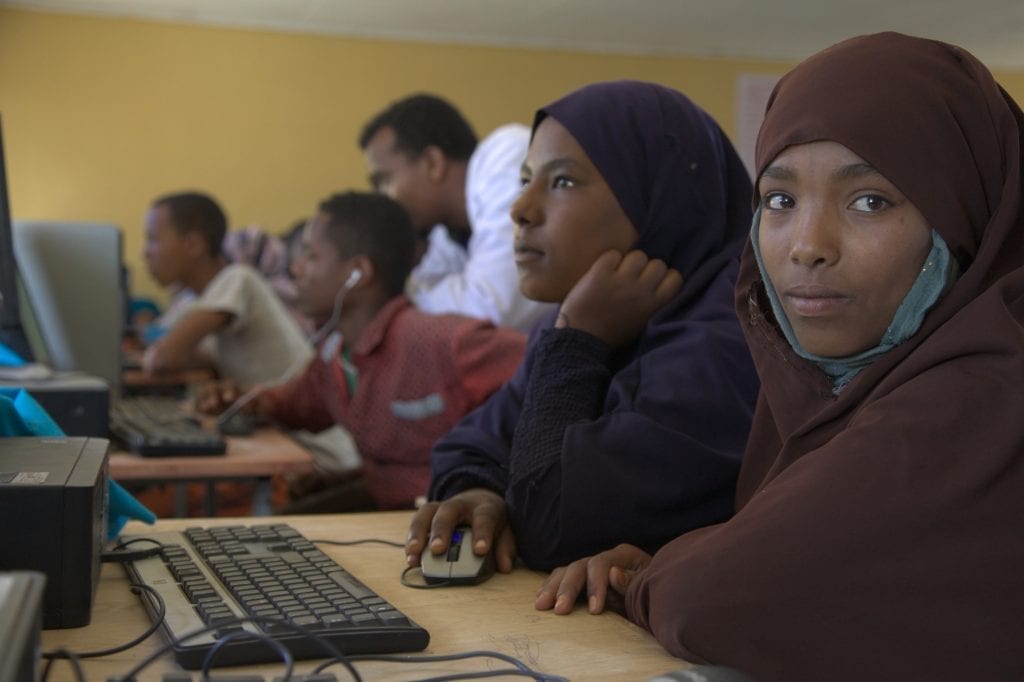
(421, 152)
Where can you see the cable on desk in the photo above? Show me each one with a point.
(421, 586)
(286, 656)
(332, 652)
(498, 672)
(520, 668)
(157, 622)
(71, 657)
(365, 541)
(120, 555)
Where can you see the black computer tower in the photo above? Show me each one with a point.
(53, 507)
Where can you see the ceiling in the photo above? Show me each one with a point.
(784, 30)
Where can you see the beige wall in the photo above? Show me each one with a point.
(101, 115)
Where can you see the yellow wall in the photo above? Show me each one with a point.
(101, 115)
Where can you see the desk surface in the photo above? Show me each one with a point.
(137, 378)
(497, 615)
(267, 452)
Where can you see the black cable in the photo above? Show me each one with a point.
(433, 658)
(124, 543)
(72, 659)
(498, 672)
(345, 543)
(286, 656)
(520, 669)
(421, 586)
(124, 557)
(332, 651)
(157, 622)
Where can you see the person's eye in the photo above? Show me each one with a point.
(523, 181)
(777, 201)
(562, 182)
(870, 203)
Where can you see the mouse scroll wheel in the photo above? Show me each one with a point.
(453, 552)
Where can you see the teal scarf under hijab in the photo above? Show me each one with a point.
(936, 276)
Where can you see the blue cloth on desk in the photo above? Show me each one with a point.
(8, 358)
(21, 415)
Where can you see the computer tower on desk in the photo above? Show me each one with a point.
(53, 502)
(79, 403)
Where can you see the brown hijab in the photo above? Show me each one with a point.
(879, 531)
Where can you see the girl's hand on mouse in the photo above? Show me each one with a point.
(617, 295)
(482, 509)
(617, 567)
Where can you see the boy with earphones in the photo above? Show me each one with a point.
(396, 377)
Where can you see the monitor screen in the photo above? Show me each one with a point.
(12, 334)
(71, 272)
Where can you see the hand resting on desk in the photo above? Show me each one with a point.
(615, 568)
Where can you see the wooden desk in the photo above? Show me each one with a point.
(267, 452)
(177, 382)
(497, 615)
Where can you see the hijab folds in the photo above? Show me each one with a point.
(878, 528)
(672, 169)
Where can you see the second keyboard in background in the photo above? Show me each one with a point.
(159, 426)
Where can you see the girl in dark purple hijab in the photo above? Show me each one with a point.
(628, 416)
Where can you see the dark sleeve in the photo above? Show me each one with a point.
(891, 551)
(568, 382)
(635, 447)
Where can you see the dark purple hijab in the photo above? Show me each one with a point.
(672, 169)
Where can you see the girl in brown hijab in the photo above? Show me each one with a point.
(880, 523)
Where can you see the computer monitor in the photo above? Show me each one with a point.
(12, 333)
(71, 273)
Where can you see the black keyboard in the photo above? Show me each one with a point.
(159, 426)
(216, 576)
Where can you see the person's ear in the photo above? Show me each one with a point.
(368, 273)
(436, 162)
(195, 244)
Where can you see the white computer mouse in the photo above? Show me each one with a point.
(459, 565)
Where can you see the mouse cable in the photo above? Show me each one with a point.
(420, 586)
(331, 652)
(520, 668)
(365, 541)
(75, 658)
(314, 338)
